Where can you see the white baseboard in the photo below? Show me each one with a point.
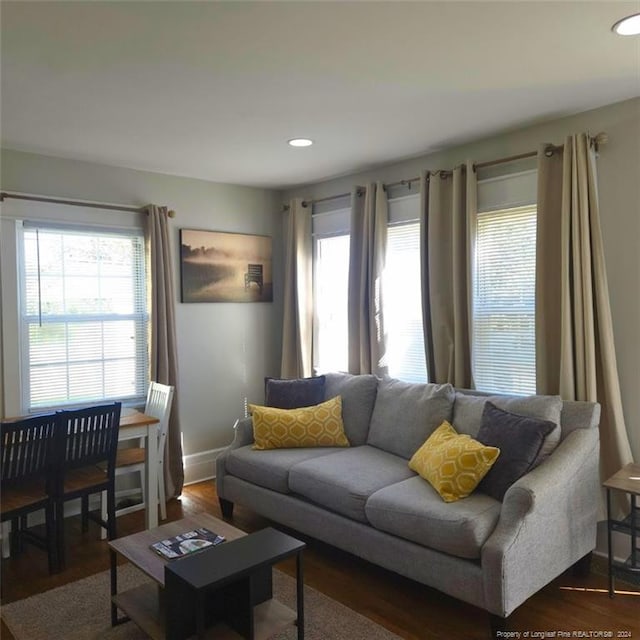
(200, 466)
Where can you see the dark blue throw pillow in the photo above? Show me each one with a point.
(293, 394)
(519, 439)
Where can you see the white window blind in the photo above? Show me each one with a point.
(84, 317)
(504, 301)
(331, 287)
(402, 304)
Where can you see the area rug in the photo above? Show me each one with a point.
(81, 611)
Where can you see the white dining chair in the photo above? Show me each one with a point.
(132, 459)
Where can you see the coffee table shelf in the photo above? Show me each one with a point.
(243, 567)
(141, 604)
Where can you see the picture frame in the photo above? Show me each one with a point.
(221, 266)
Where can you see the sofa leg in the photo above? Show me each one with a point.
(226, 506)
(497, 624)
(582, 568)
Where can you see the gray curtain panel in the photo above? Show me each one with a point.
(448, 206)
(369, 220)
(297, 324)
(575, 348)
(163, 353)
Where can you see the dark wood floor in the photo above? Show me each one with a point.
(412, 611)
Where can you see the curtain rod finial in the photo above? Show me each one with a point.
(171, 213)
(601, 138)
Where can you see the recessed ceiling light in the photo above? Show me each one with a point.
(629, 26)
(300, 142)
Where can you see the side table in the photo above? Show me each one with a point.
(628, 481)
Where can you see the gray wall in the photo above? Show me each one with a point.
(225, 350)
(619, 183)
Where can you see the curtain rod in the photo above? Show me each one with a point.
(600, 138)
(306, 203)
(79, 203)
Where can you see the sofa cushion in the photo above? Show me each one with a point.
(519, 440)
(345, 479)
(293, 394)
(358, 394)
(453, 464)
(467, 414)
(413, 510)
(269, 469)
(406, 414)
(317, 426)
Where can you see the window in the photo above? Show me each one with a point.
(331, 286)
(83, 316)
(402, 300)
(504, 301)
(404, 357)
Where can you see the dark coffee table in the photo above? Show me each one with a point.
(223, 592)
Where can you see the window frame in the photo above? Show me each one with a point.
(140, 316)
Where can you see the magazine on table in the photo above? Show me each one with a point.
(187, 543)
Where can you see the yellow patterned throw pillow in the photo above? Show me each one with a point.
(317, 426)
(453, 463)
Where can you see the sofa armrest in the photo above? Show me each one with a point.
(243, 433)
(547, 523)
(242, 436)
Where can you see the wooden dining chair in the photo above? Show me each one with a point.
(132, 459)
(86, 446)
(27, 480)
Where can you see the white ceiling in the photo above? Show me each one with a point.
(214, 90)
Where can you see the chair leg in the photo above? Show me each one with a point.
(161, 493)
(103, 514)
(52, 541)
(19, 541)
(85, 512)
(111, 511)
(59, 524)
(143, 485)
(15, 543)
(6, 539)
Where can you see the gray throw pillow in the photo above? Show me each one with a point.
(519, 439)
(293, 394)
(406, 414)
(467, 414)
(358, 394)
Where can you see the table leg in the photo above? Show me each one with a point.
(113, 574)
(151, 477)
(609, 545)
(300, 595)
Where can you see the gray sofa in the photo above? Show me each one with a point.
(365, 499)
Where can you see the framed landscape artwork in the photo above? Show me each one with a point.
(216, 266)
